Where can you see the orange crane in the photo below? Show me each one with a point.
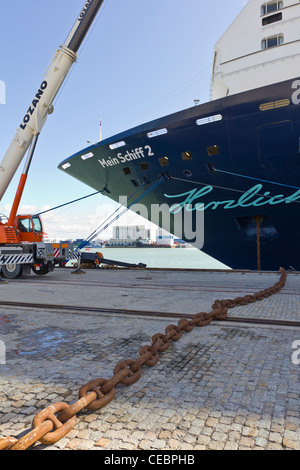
(21, 236)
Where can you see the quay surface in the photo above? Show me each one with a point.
(226, 386)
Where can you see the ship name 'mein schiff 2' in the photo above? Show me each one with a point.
(237, 157)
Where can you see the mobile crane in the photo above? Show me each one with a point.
(21, 237)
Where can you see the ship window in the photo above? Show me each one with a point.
(66, 165)
(117, 145)
(37, 224)
(127, 170)
(164, 161)
(214, 150)
(272, 42)
(272, 19)
(144, 166)
(186, 156)
(25, 225)
(209, 119)
(274, 105)
(270, 7)
(157, 133)
(87, 156)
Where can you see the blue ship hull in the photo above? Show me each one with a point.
(236, 160)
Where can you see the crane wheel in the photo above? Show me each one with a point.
(42, 271)
(12, 271)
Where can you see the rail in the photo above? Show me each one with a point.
(144, 313)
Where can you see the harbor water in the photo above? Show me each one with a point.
(182, 258)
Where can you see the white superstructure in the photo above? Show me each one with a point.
(261, 47)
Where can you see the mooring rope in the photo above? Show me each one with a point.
(240, 191)
(71, 202)
(101, 228)
(253, 178)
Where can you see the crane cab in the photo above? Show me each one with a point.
(30, 228)
(26, 229)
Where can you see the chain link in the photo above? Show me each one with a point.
(57, 420)
(7, 442)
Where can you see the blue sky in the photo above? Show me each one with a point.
(142, 60)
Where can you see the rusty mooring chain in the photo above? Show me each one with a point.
(56, 421)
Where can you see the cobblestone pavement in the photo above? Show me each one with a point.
(219, 387)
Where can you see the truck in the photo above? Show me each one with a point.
(22, 245)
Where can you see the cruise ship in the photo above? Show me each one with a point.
(231, 165)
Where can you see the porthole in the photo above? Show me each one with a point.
(187, 156)
(164, 161)
(144, 166)
(213, 150)
(187, 173)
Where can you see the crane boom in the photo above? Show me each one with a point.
(41, 104)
